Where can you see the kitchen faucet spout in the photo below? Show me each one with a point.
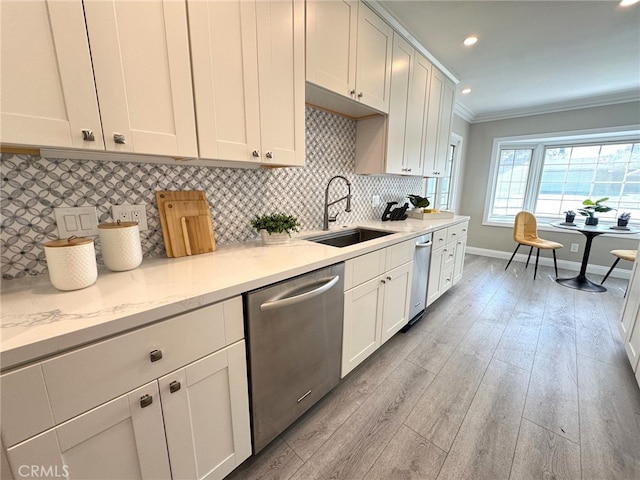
(327, 204)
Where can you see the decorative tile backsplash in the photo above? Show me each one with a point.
(32, 186)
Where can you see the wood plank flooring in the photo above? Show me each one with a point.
(504, 378)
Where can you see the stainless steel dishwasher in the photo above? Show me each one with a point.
(294, 336)
(421, 261)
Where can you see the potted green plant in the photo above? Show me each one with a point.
(275, 227)
(590, 208)
(419, 202)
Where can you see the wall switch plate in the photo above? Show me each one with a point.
(575, 247)
(78, 221)
(375, 200)
(131, 213)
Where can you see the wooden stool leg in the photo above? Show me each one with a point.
(555, 263)
(610, 270)
(536, 270)
(514, 254)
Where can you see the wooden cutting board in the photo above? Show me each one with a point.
(186, 222)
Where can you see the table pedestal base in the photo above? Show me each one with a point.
(581, 283)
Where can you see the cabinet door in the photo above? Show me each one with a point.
(281, 70)
(402, 62)
(331, 44)
(630, 319)
(361, 326)
(461, 247)
(417, 114)
(444, 128)
(225, 77)
(397, 290)
(373, 63)
(140, 53)
(206, 415)
(48, 96)
(435, 274)
(120, 439)
(430, 149)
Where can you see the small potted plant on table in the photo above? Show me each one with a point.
(590, 209)
(275, 228)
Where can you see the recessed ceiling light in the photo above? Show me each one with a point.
(466, 91)
(473, 39)
(626, 3)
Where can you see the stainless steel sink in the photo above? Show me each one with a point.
(344, 238)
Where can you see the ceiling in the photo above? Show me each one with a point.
(532, 56)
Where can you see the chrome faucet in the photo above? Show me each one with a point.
(327, 218)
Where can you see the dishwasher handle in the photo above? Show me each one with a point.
(425, 244)
(284, 302)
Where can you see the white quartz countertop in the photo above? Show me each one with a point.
(36, 320)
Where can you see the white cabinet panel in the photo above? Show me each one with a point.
(417, 114)
(436, 267)
(48, 96)
(629, 325)
(461, 248)
(142, 69)
(120, 439)
(397, 291)
(206, 414)
(438, 130)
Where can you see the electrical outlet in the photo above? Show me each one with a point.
(574, 247)
(131, 213)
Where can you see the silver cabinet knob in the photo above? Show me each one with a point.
(87, 135)
(408, 169)
(389, 278)
(155, 355)
(269, 155)
(146, 400)
(119, 138)
(174, 386)
(255, 153)
(352, 92)
(383, 281)
(360, 95)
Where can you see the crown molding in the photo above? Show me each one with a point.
(463, 112)
(588, 102)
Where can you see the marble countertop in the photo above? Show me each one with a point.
(36, 320)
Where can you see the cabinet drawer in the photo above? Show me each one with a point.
(439, 238)
(446, 279)
(400, 254)
(449, 255)
(87, 377)
(25, 404)
(456, 232)
(363, 268)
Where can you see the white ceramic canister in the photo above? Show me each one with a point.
(120, 245)
(71, 263)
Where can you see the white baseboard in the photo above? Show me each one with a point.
(548, 262)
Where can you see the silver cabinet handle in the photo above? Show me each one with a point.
(255, 153)
(119, 138)
(269, 155)
(174, 386)
(146, 400)
(87, 135)
(286, 301)
(424, 245)
(155, 355)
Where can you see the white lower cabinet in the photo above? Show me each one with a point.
(629, 325)
(447, 260)
(185, 422)
(376, 302)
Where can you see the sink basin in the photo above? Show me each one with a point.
(344, 238)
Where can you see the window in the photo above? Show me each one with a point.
(440, 191)
(553, 175)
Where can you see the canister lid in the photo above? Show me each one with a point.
(117, 224)
(69, 242)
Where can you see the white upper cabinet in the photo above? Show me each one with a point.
(248, 71)
(438, 129)
(47, 95)
(349, 51)
(417, 111)
(142, 69)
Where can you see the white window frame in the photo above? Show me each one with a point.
(540, 141)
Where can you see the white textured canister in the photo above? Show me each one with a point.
(71, 263)
(120, 245)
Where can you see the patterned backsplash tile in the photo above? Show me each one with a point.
(32, 186)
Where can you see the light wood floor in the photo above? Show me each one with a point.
(504, 378)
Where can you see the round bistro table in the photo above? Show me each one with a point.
(581, 282)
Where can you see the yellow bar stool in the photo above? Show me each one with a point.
(629, 255)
